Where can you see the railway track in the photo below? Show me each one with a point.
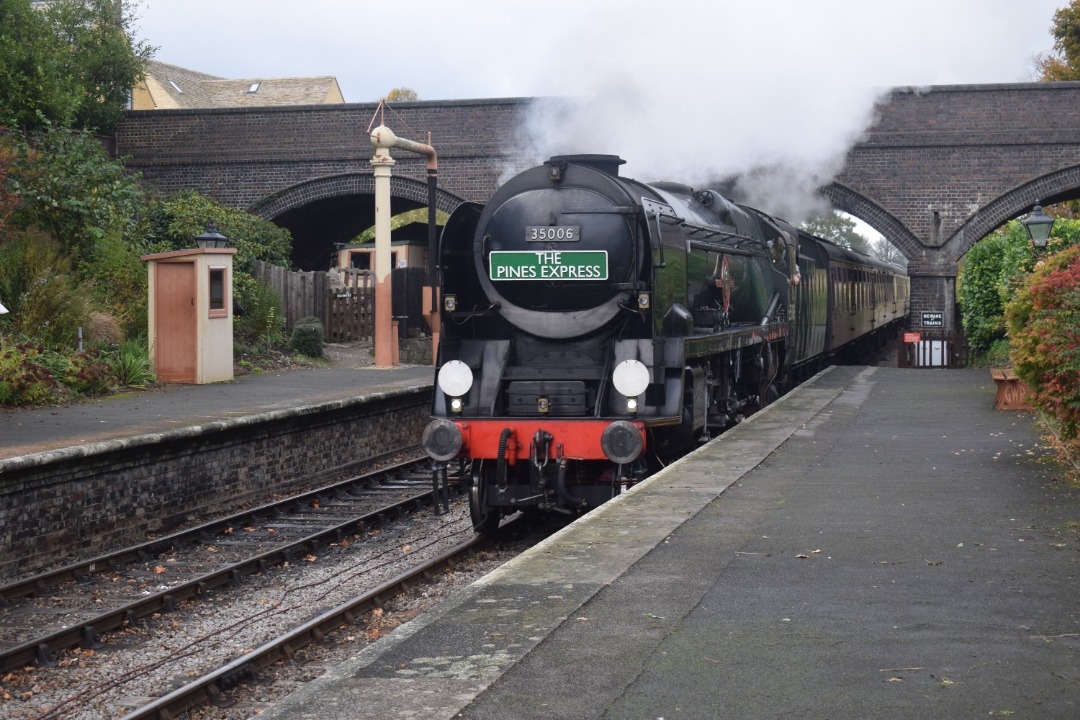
(220, 651)
(74, 606)
(212, 685)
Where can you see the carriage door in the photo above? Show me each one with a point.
(175, 346)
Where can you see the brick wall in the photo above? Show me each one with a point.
(950, 163)
(242, 156)
(939, 169)
(117, 492)
(939, 165)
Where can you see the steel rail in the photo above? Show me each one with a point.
(87, 632)
(39, 584)
(211, 686)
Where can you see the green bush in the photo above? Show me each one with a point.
(86, 373)
(263, 319)
(173, 224)
(1044, 330)
(986, 282)
(991, 274)
(307, 337)
(71, 189)
(131, 364)
(119, 282)
(48, 301)
(24, 379)
(998, 355)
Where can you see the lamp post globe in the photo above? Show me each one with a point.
(211, 238)
(1038, 226)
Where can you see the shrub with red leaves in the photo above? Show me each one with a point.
(1044, 330)
(24, 380)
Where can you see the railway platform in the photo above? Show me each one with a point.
(27, 431)
(879, 543)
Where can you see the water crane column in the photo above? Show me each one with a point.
(383, 138)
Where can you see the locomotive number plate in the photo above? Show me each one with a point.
(552, 233)
(548, 265)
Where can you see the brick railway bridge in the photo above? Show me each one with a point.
(940, 168)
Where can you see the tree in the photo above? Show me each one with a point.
(1064, 62)
(70, 188)
(885, 251)
(837, 229)
(9, 200)
(419, 215)
(60, 186)
(69, 64)
(402, 94)
(33, 87)
(104, 58)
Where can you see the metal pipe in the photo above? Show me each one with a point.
(431, 300)
(500, 465)
(771, 309)
(560, 487)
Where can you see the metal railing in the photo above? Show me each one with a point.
(930, 349)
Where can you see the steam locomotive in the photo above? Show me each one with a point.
(594, 325)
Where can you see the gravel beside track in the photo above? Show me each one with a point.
(143, 662)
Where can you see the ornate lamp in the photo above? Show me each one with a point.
(1038, 226)
(213, 239)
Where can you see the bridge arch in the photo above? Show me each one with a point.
(1053, 187)
(847, 200)
(332, 186)
(333, 209)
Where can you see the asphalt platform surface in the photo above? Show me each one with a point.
(879, 543)
(23, 432)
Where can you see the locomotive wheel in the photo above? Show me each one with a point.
(485, 518)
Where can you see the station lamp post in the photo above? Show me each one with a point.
(211, 238)
(1038, 226)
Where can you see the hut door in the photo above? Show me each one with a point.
(175, 326)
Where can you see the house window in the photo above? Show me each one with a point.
(360, 260)
(219, 307)
(254, 88)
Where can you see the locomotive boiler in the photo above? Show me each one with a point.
(594, 326)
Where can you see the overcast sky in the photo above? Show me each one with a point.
(683, 89)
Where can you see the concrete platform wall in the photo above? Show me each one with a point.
(122, 491)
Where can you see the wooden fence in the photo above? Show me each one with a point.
(346, 313)
(928, 349)
(300, 292)
(346, 310)
(350, 315)
(350, 311)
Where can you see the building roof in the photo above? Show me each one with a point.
(169, 86)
